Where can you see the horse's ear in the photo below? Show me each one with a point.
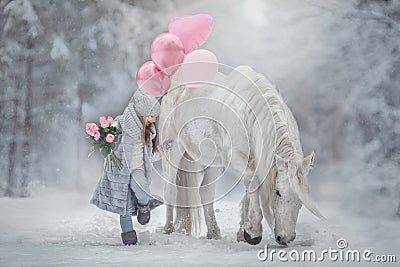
(281, 163)
(308, 161)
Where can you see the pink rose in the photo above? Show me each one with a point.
(94, 127)
(104, 122)
(96, 135)
(88, 129)
(110, 138)
(105, 125)
(102, 118)
(110, 119)
(91, 128)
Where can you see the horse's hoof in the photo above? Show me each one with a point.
(215, 234)
(252, 241)
(168, 229)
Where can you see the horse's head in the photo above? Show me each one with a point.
(290, 192)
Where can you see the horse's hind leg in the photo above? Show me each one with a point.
(207, 193)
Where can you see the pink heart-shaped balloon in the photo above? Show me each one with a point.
(199, 68)
(167, 51)
(150, 79)
(193, 30)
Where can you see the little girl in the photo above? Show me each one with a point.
(126, 191)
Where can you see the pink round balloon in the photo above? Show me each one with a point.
(150, 79)
(192, 30)
(166, 52)
(199, 67)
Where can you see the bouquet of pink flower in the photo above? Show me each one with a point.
(102, 137)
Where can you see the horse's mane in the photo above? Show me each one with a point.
(267, 104)
(285, 147)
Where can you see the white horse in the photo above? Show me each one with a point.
(241, 126)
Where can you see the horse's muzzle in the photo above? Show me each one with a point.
(284, 240)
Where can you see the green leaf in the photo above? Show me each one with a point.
(106, 151)
(97, 146)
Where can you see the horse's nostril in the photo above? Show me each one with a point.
(278, 238)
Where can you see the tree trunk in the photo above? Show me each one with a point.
(79, 120)
(26, 148)
(12, 151)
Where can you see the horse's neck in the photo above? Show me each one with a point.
(271, 124)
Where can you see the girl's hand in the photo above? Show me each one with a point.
(167, 145)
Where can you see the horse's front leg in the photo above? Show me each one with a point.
(243, 218)
(169, 220)
(170, 163)
(207, 193)
(253, 227)
(169, 206)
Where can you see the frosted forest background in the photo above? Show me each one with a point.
(336, 63)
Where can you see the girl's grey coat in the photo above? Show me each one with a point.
(113, 192)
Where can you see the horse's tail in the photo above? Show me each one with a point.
(188, 215)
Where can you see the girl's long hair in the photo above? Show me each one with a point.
(147, 134)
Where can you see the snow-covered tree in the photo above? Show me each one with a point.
(21, 27)
(60, 61)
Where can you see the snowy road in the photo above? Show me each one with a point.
(62, 229)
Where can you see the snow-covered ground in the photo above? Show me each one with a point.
(55, 228)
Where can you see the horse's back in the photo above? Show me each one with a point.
(233, 115)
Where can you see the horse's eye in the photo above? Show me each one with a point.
(277, 193)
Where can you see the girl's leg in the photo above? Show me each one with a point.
(128, 235)
(126, 223)
(140, 185)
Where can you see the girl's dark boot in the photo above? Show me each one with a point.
(129, 238)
